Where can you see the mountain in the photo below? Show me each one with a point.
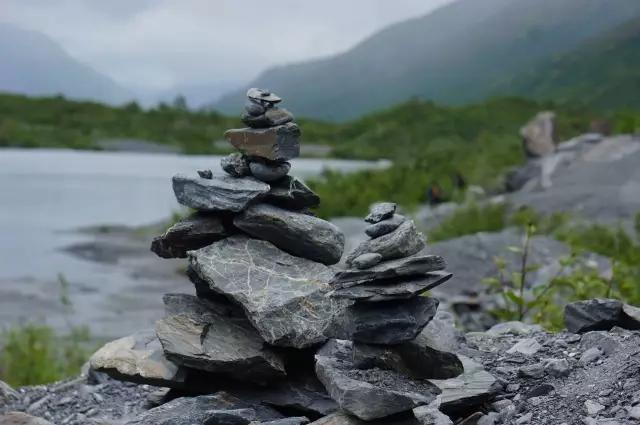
(33, 64)
(603, 73)
(456, 54)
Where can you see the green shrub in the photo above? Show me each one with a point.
(470, 219)
(33, 354)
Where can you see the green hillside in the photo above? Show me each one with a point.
(604, 73)
(455, 55)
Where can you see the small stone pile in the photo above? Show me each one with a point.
(268, 297)
(383, 365)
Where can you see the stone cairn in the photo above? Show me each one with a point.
(270, 304)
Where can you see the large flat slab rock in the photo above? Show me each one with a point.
(388, 323)
(139, 358)
(194, 232)
(219, 408)
(368, 394)
(592, 315)
(392, 289)
(283, 296)
(418, 264)
(299, 234)
(220, 193)
(279, 143)
(402, 242)
(197, 336)
(291, 193)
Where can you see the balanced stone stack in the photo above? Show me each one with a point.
(383, 365)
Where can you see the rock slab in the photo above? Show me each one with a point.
(280, 143)
(592, 315)
(291, 193)
(193, 232)
(220, 193)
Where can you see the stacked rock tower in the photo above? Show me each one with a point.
(277, 333)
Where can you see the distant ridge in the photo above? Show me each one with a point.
(33, 64)
(460, 53)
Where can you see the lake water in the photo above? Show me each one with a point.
(46, 194)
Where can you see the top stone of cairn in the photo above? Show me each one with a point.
(263, 96)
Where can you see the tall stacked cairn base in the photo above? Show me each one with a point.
(277, 332)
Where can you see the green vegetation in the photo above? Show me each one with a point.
(470, 219)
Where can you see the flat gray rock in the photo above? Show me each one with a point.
(197, 336)
(220, 408)
(279, 143)
(592, 315)
(392, 322)
(270, 118)
(402, 242)
(392, 289)
(381, 211)
(366, 261)
(291, 193)
(138, 358)
(299, 234)
(418, 264)
(235, 165)
(269, 172)
(368, 394)
(194, 232)
(263, 96)
(284, 296)
(474, 387)
(385, 226)
(221, 193)
(19, 418)
(431, 415)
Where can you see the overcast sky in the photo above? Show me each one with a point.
(155, 45)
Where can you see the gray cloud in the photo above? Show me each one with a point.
(154, 46)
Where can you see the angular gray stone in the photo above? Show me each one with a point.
(385, 226)
(557, 367)
(368, 394)
(221, 193)
(263, 96)
(254, 108)
(284, 296)
(381, 211)
(298, 420)
(391, 322)
(197, 336)
(289, 192)
(366, 261)
(527, 347)
(431, 415)
(220, 408)
(279, 143)
(592, 315)
(418, 264)
(193, 232)
(7, 394)
(270, 118)
(235, 165)
(138, 358)
(299, 234)
(473, 388)
(19, 418)
(205, 174)
(269, 172)
(402, 242)
(392, 289)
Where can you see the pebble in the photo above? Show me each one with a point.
(367, 260)
(591, 355)
(557, 367)
(525, 419)
(381, 211)
(205, 174)
(593, 408)
(527, 347)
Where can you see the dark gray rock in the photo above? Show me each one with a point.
(193, 232)
(138, 358)
(366, 261)
(298, 420)
(391, 322)
(299, 234)
(218, 409)
(381, 211)
(284, 296)
(368, 394)
(392, 289)
(416, 265)
(431, 415)
(269, 171)
(592, 315)
(270, 118)
(262, 96)
(289, 192)
(630, 317)
(254, 108)
(385, 226)
(279, 143)
(222, 193)
(474, 387)
(402, 242)
(205, 174)
(197, 336)
(342, 418)
(235, 164)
